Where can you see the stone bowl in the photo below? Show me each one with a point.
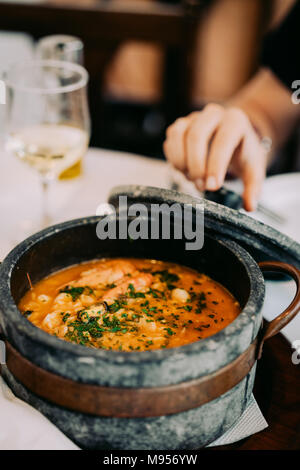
(35, 358)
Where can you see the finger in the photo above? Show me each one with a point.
(174, 145)
(252, 187)
(253, 174)
(198, 136)
(228, 137)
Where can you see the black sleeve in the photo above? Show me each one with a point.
(281, 48)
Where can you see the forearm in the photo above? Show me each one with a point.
(268, 104)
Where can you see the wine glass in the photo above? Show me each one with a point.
(47, 119)
(60, 47)
(69, 49)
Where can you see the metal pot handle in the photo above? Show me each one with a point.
(274, 327)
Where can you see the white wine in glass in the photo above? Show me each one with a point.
(48, 125)
(49, 148)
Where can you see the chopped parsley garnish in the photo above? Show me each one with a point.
(188, 308)
(201, 303)
(156, 293)
(111, 323)
(81, 332)
(153, 293)
(65, 317)
(117, 305)
(171, 286)
(193, 296)
(133, 294)
(74, 292)
(166, 276)
(169, 331)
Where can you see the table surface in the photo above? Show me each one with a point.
(276, 390)
(278, 379)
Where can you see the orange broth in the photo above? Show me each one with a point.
(129, 304)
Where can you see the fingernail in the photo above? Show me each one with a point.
(250, 204)
(211, 183)
(200, 184)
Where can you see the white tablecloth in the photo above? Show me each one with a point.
(21, 192)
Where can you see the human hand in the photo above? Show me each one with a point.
(205, 144)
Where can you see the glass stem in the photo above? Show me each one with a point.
(45, 217)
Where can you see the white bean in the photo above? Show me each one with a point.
(180, 295)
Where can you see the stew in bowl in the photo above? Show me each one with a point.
(129, 304)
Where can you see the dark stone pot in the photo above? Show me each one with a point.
(76, 241)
